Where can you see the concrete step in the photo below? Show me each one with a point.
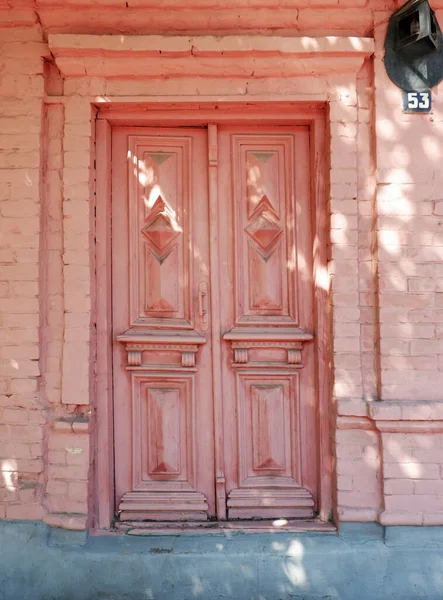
(360, 562)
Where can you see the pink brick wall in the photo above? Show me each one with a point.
(44, 439)
(68, 440)
(386, 235)
(22, 402)
(412, 477)
(410, 236)
(358, 475)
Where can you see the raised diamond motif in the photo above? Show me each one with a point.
(160, 232)
(160, 229)
(264, 231)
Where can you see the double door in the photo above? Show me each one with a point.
(214, 360)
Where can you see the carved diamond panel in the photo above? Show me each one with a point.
(160, 229)
(160, 213)
(264, 231)
(265, 228)
(161, 233)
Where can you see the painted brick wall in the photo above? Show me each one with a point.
(413, 486)
(22, 402)
(386, 249)
(44, 440)
(410, 183)
(399, 314)
(64, 324)
(69, 456)
(358, 481)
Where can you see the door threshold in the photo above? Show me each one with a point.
(238, 526)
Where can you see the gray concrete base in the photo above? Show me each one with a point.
(362, 562)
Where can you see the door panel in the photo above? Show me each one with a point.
(263, 203)
(160, 225)
(268, 360)
(162, 353)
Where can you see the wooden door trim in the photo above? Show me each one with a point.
(104, 432)
(193, 114)
(266, 113)
(323, 311)
(217, 383)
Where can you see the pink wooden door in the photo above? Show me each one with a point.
(267, 316)
(250, 437)
(163, 417)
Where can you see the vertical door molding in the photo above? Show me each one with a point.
(103, 434)
(217, 384)
(322, 309)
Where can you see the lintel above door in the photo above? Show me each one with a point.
(175, 55)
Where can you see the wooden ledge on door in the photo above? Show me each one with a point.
(164, 336)
(267, 334)
(291, 340)
(138, 341)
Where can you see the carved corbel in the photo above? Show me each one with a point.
(134, 356)
(241, 355)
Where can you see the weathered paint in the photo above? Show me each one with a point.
(383, 184)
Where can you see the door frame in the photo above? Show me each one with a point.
(207, 114)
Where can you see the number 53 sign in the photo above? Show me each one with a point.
(417, 102)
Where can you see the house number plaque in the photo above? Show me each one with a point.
(417, 102)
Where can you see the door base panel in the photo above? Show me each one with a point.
(164, 506)
(270, 503)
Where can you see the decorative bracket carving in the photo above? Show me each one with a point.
(243, 339)
(137, 342)
(240, 354)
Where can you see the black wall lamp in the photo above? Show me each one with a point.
(414, 47)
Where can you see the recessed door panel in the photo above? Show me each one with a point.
(262, 167)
